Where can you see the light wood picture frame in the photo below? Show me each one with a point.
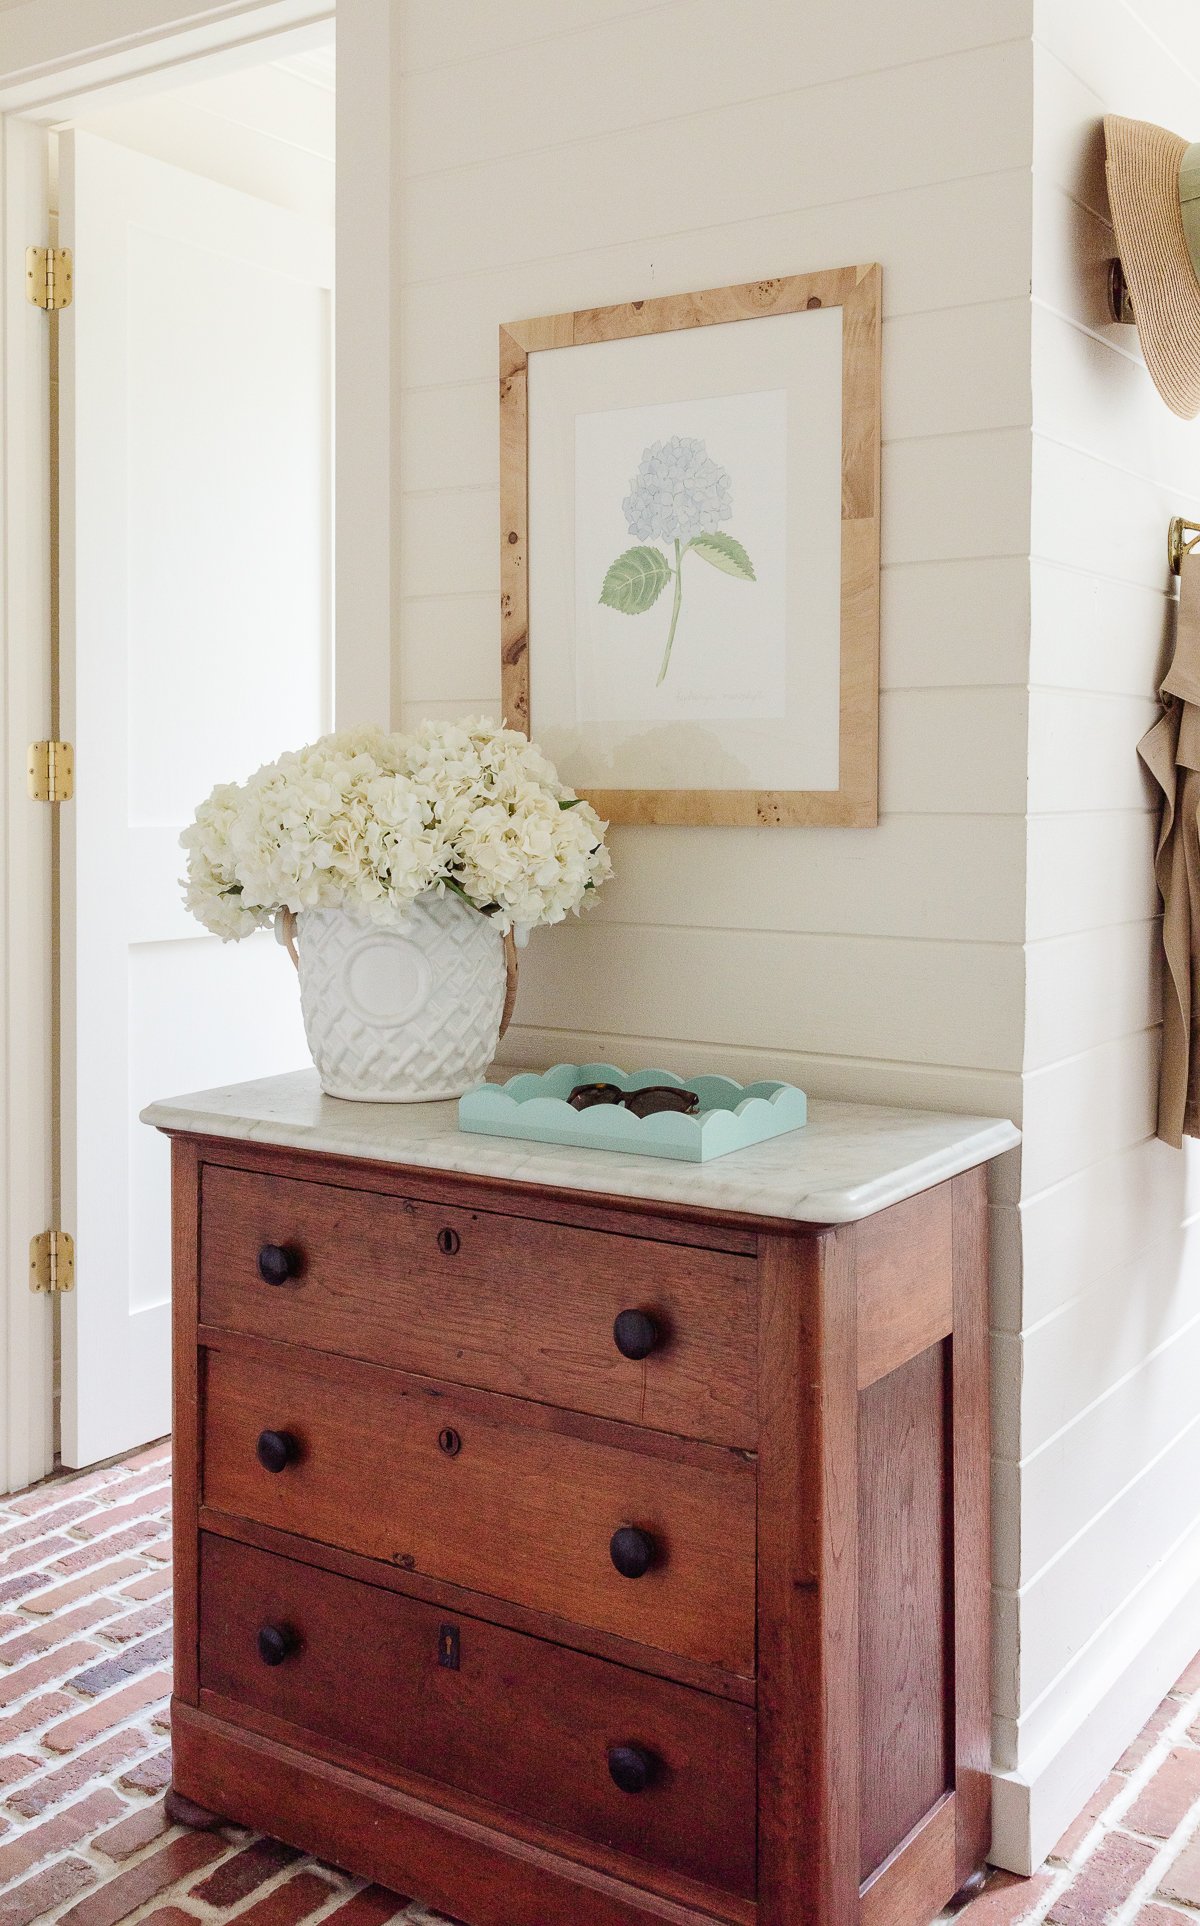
(852, 799)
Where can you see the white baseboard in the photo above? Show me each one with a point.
(1035, 1803)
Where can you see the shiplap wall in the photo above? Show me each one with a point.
(553, 157)
(1099, 1565)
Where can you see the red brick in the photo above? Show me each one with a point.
(147, 1619)
(151, 1775)
(1188, 1682)
(1170, 1794)
(92, 1581)
(23, 1530)
(40, 1895)
(150, 1504)
(35, 1554)
(130, 1835)
(17, 1765)
(245, 1872)
(1161, 1916)
(168, 1916)
(40, 1637)
(373, 1906)
(155, 1454)
(292, 1901)
(65, 1829)
(117, 1898)
(121, 1541)
(1149, 1736)
(107, 1712)
(1006, 1901)
(1079, 1828)
(14, 1685)
(150, 1586)
(1182, 1878)
(1103, 1883)
(118, 1666)
(53, 1490)
(14, 1588)
(50, 1706)
(154, 1477)
(47, 1790)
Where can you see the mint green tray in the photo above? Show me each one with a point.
(731, 1116)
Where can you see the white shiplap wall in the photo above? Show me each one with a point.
(553, 157)
(1098, 1570)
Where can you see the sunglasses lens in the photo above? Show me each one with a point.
(659, 1097)
(586, 1096)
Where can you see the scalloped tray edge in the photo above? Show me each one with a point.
(732, 1115)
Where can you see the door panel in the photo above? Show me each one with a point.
(196, 643)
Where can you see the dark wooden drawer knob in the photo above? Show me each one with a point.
(631, 1767)
(635, 1334)
(277, 1450)
(275, 1643)
(632, 1551)
(276, 1264)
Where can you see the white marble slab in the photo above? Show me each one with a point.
(850, 1160)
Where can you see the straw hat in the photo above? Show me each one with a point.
(1154, 194)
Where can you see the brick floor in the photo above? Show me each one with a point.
(84, 1683)
(1132, 1857)
(84, 1759)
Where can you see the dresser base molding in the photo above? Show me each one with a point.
(405, 1843)
(919, 1878)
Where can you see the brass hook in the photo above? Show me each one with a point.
(1182, 538)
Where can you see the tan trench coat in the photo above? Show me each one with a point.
(1171, 752)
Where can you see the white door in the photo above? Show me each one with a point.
(196, 643)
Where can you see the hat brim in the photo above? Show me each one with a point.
(1142, 166)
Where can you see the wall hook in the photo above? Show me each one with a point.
(1182, 538)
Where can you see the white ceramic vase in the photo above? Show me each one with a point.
(406, 1015)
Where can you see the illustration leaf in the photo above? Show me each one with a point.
(635, 581)
(724, 553)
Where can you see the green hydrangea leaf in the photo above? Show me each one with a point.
(724, 553)
(636, 580)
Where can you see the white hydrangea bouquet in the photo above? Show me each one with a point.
(404, 864)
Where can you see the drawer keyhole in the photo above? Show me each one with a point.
(449, 1442)
(448, 1242)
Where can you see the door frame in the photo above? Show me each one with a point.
(59, 58)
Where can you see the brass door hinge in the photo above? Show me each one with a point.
(49, 277)
(51, 767)
(52, 1262)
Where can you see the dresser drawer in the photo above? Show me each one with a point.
(500, 1497)
(523, 1724)
(507, 1303)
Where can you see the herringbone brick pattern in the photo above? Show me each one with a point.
(85, 1653)
(85, 1657)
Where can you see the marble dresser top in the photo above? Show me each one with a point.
(850, 1160)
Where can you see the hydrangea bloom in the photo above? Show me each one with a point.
(367, 821)
(679, 492)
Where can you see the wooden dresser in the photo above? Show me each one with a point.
(573, 1540)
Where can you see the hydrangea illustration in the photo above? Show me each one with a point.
(678, 491)
(679, 495)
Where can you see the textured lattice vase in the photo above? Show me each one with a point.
(406, 1015)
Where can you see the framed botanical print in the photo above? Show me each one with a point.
(690, 550)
